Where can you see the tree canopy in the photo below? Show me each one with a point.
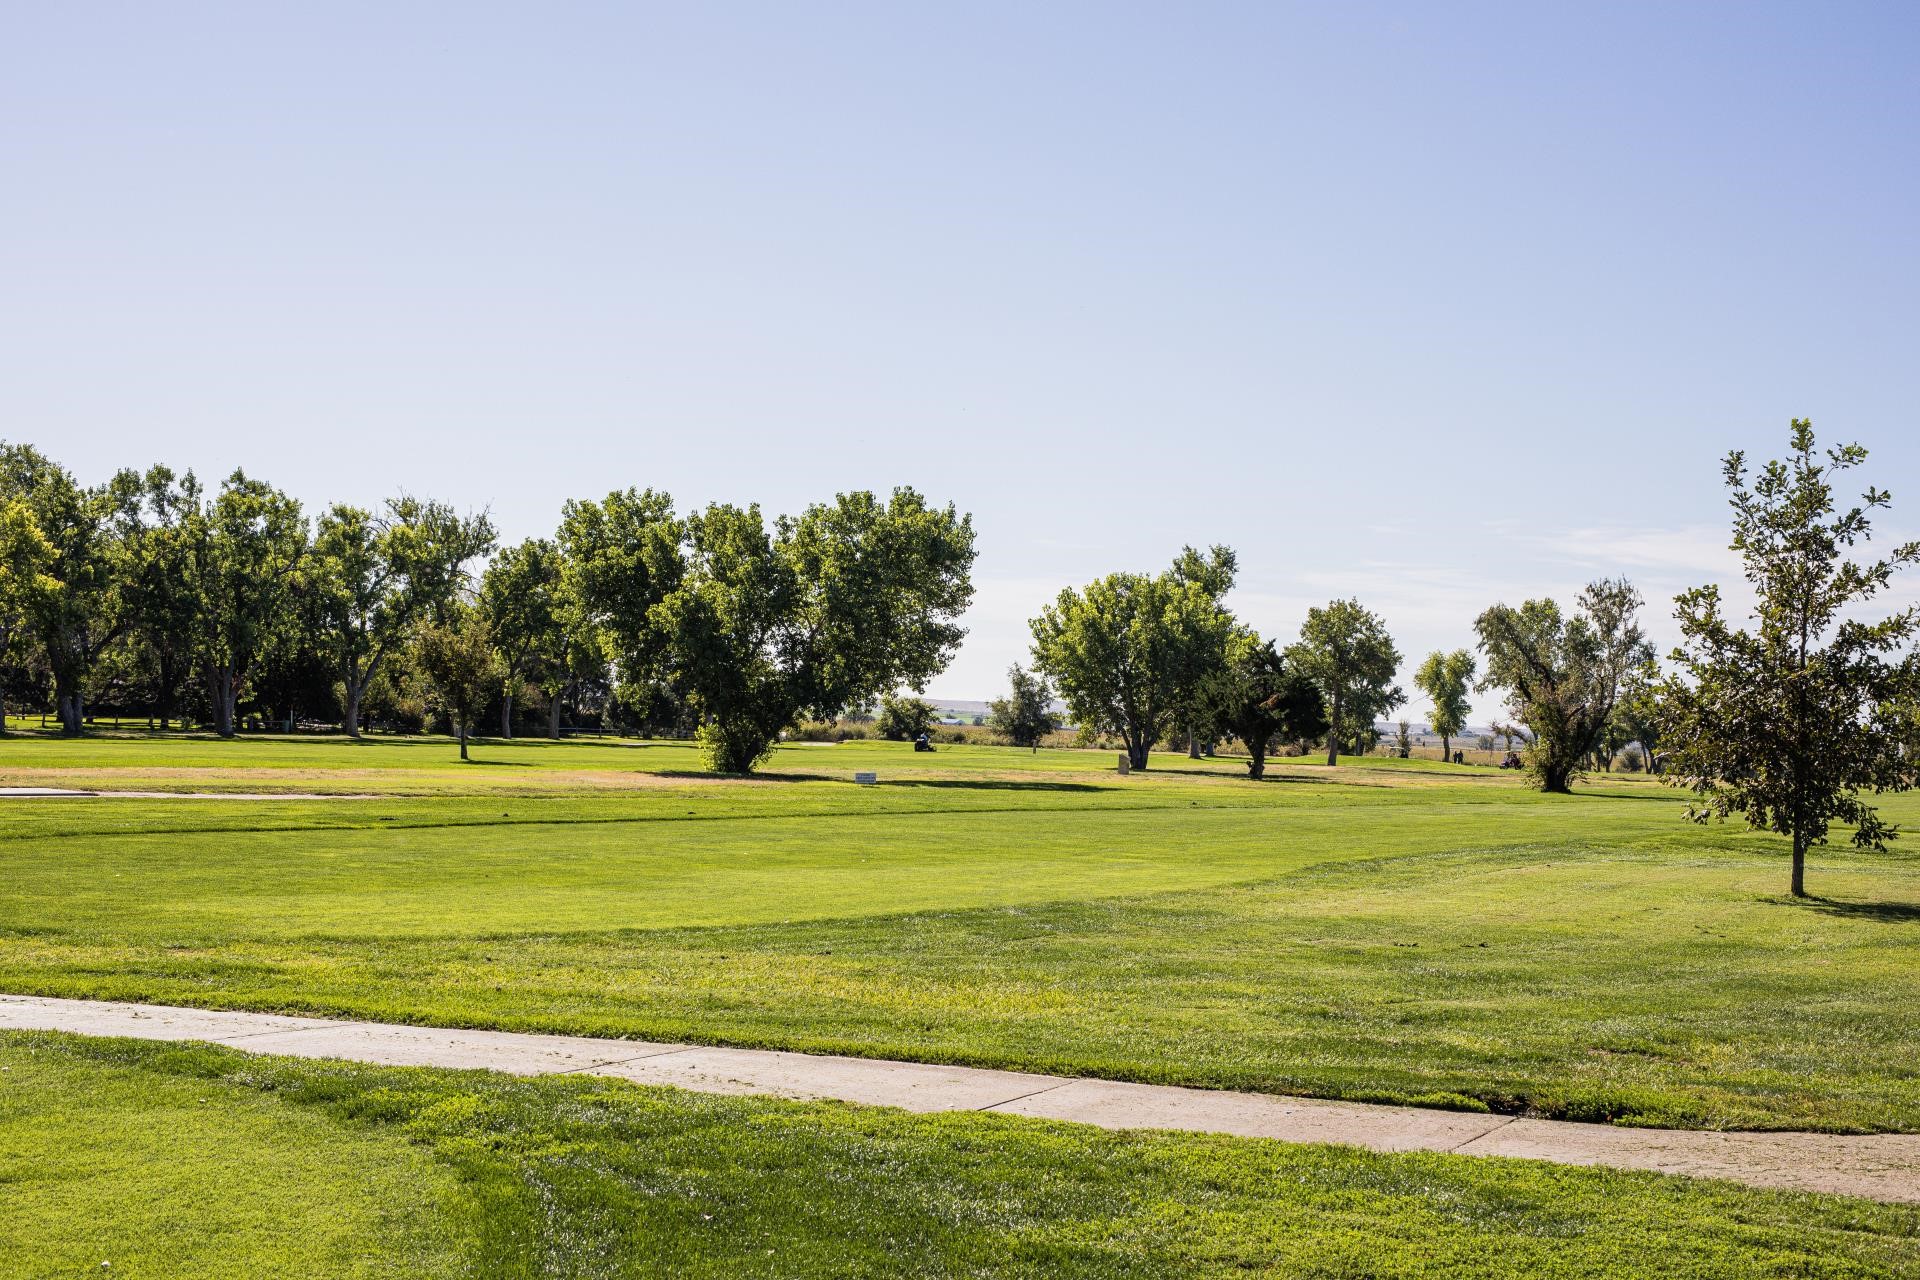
(1446, 679)
(1025, 715)
(1346, 651)
(1563, 674)
(1259, 697)
(1131, 651)
(1789, 722)
(827, 610)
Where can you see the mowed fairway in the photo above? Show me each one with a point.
(1376, 932)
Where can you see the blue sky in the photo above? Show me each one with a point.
(1432, 305)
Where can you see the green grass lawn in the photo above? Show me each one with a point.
(170, 1160)
(1385, 931)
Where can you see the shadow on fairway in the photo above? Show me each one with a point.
(1887, 912)
(965, 784)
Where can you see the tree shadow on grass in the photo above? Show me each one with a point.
(969, 784)
(1885, 912)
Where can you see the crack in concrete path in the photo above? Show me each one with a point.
(1875, 1166)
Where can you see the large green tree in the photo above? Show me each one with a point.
(620, 557)
(1446, 679)
(1025, 715)
(1789, 722)
(522, 598)
(25, 556)
(252, 540)
(1564, 674)
(1638, 713)
(1259, 697)
(1346, 651)
(381, 575)
(84, 612)
(160, 515)
(1131, 652)
(826, 610)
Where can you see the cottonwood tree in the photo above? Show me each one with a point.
(1788, 723)
(244, 551)
(620, 557)
(1260, 698)
(1346, 651)
(381, 575)
(826, 610)
(160, 523)
(1025, 715)
(1563, 674)
(1638, 712)
(84, 612)
(1132, 652)
(521, 596)
(457, 658)
(25, 556)
(1446, 678)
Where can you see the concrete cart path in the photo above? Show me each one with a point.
(1880, 1167)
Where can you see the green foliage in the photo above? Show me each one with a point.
(1446, 678)
(246, 548)
(827, 611)
(1564, 675)
(1638, 713)
(1346, 651)
(1131, 653)
(1258, 697)
(458, 659)
(84, 611)
(522, 597)
(1025, 715)
(378, 577)
(903, 719)
(1786, 724)
(620, 557)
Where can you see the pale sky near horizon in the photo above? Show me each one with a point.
(1430, 305)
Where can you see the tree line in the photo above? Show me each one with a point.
(150, 591)
(1786, 723)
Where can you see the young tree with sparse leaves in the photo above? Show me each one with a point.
(1446, 679)
(1025, 715)
(458, 659)
(1563, 674)
(1788, 723)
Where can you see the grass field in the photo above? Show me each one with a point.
(200, 1161)
(1388, 930)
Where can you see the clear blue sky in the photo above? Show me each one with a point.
(1430, 304)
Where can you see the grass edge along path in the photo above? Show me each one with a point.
(1882, 1167)
(574, 1175)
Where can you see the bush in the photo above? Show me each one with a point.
(902, 719)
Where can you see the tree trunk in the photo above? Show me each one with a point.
(1799, 865)
(1446, 749)
(463, 737)
(1556, 779)
(553, 715)
(506, 715)
(1333, 733)
(1257, 759)
(353, 708)
(220, 687)
(1193, 744)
